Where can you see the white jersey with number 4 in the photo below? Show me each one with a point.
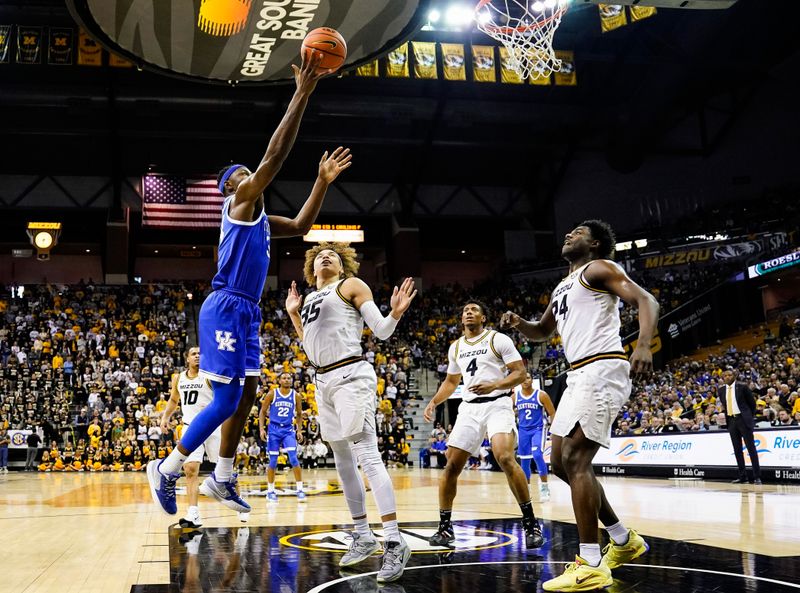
(195, 394)
(587, 318)
(332, 326)
(481, 360)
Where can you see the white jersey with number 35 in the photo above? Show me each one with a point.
(481, 360)
(587, 318)
(195, 394)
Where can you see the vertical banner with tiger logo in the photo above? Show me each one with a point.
(612, 16)
(425, 60)
(397, 62)
(5, 43)
(370, 69)
(116, 61)
(483, 61)
(453, 61)
(29, 45)
(639, 13)
(567, 75)
(537, 76)
(89, 51)
(507, 73)
(59, 48)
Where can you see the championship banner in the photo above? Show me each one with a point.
(639, 13)
(370, 69)
(567, 75)
(483, 63)
(425, 60)
(453, 61)
(612, 16)
(29, 45)
(89, 51)
(19, 438)
(5, 43)
(116, 61)
(59, 48)
(507, 73)
(397, 62)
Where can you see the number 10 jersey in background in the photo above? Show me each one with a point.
(195, 394)
(332, 326)
(482, 359)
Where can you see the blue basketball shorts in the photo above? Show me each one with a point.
(229, 342)
(281, 437)
(529, 441)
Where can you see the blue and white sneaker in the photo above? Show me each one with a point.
(272, 496)
(162, 487)
(224, 492)
(301, 496)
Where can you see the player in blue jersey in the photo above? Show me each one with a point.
(531, 405)
(230, 317)
(283, 407)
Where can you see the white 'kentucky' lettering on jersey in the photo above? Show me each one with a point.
(481, 360)
(587, 318)
(195, 394)
(332, 326)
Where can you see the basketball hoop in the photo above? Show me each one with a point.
(526, 29)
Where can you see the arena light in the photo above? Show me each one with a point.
(626, 245)
(344, 233)
(434, 16)
(458, 15)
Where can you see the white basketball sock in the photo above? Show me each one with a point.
(391, 532)
(173, 463)
(590, 553)
(362, 528)
(270, 486)
(300, 486)
(224, 469)
(618, 533)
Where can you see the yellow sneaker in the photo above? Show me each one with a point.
(614, 555)
(580, 576)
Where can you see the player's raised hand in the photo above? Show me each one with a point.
(430, 412)
(293, 300)
(482, 388)
(641, 361)
(308, 73)
(402, 297)
(331, 166)
(509, 320)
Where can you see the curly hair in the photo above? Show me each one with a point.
(347, 255)
(602, 232)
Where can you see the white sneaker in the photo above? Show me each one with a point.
(395, 558)
(360, 549)
(244, 517)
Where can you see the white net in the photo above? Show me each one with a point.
(526, 29)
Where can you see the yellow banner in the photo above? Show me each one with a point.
(536, 77)
(425, 60)
(483, 63)
(89, 51)
(369, 69)
(507, 74)
(612, 16)
(453, 61)
(118, 61)
(639, 13)
(397, 62)
(567, 75)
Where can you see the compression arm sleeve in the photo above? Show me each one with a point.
(381, 326)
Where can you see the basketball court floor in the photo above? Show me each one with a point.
(99, 532)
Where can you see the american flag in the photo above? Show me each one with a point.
(177, 202)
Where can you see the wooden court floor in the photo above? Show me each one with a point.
(100, 532)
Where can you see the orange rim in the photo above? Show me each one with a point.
(521, 29)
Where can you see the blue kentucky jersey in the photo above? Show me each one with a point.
(529, 410)
(281, 410)
(243, 255)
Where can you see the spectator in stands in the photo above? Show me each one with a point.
(425, 453)
(438, 449)
(5, 441)
(33, 441)
(784, 419)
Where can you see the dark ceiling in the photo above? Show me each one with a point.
(633, 84)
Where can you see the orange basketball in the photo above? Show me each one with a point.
(330, 44)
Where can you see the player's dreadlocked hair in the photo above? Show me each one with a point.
(346, 254)
(602, 232)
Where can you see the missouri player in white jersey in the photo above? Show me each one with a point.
(583, 308)
(330, 322)
(192, 392)
(490, 366)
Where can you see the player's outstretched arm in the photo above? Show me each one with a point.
(537, 331)
(293, 303)
(445, 390)
(306, 78)
(604, 274)
(547, 403)
(358, 293)
(329, 169)
(263, 414)
(172, 404)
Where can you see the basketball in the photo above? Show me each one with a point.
(330, 44)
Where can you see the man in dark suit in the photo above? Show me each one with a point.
(739, 405)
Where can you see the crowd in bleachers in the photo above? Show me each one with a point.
(684, 396)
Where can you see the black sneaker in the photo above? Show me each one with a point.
(443, 537)
(533, 535)
(189, 524)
